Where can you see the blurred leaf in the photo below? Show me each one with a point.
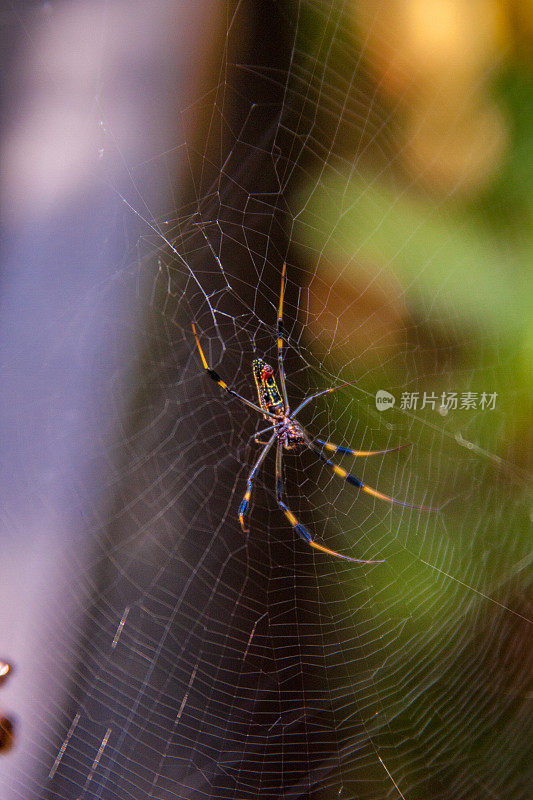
(447, 261)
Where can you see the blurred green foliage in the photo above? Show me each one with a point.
(463, 264)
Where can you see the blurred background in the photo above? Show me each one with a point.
(159, 164)
(454, 80)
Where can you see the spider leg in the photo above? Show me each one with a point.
(216, 377)
(318, 394)
(280, 332)
(299, 528)
(335, 448)
(248, 493)
(349, 478)
(255, 435)
(260, 433)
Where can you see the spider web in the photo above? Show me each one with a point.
(216, 664)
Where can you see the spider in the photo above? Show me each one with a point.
(289, 434)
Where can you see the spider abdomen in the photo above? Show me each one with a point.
(267, 390)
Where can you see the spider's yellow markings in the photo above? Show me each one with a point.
(377, 494)
(292, 519)
(335, 448)
(211, 372)
(242, 509)
(204, 360)
(339, 471)
(330, 446)
(282, 293)
(340, 555)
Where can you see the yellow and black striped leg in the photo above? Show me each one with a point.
(281, 336)
(298, 527)
(355, 481)
(248, 493)
(335, 448)
(216, 377)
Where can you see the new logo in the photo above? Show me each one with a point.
(384, 400)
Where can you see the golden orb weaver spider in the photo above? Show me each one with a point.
(289, 434)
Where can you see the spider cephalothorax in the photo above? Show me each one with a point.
(291, 433)
(287, 433)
